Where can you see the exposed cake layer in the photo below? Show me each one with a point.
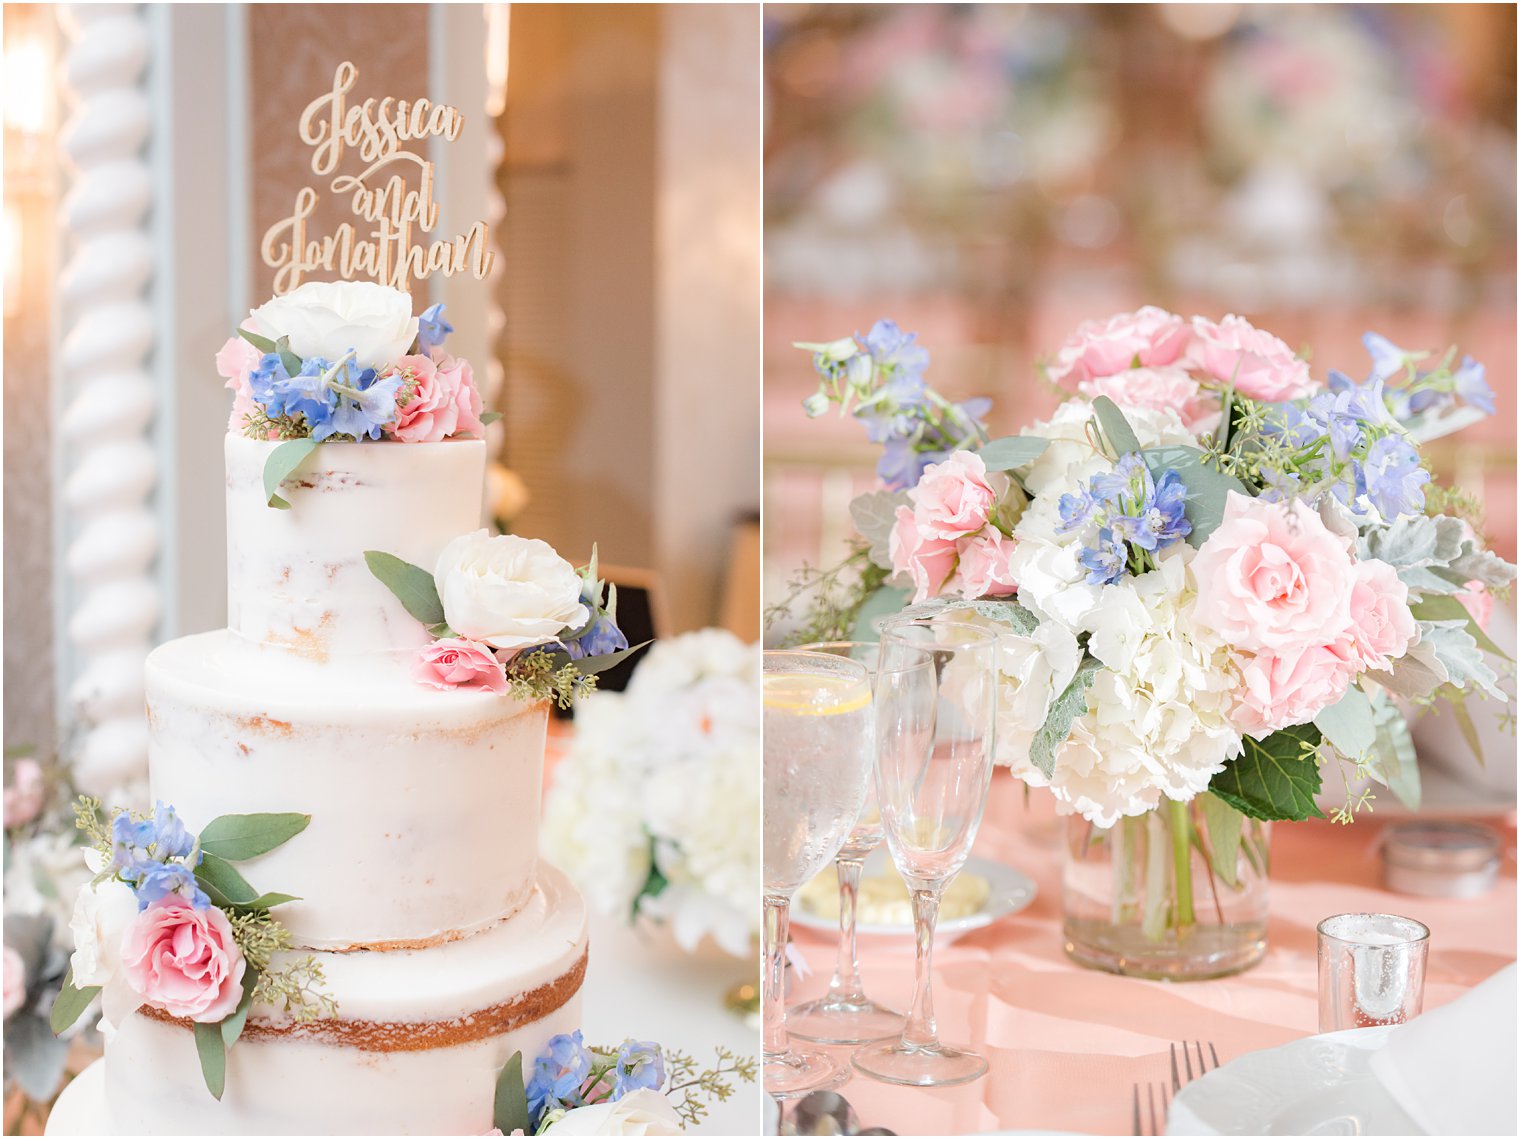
(424, 804)
(297, 580)
(453, 1015)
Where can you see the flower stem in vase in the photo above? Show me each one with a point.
(1182, 862)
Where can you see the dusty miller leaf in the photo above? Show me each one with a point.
(1460, 656)
(1064, 709)
(1008, 611)
(874, 515)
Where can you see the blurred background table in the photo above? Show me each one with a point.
(1067, 1043)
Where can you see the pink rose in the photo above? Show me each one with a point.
(184, 960)
(928, 561)
(1382, 628)
(984, 565)
(954, 498)
(15, 981)
(443, 400)
(456, 662)
(1159, 389)
(1273, 577)
(1479, 602)
(233, 363)
(1290, 687)
(1261, 366)
(1104, 347)
(23, 798)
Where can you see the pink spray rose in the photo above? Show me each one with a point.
(1273, 577)
(456, 662)
(955, 497)
(1104, 347)
(23, 798)
(1261, 366)
(184, 960)
(1159, 389)
(1382, 628)
(444, 400)
(15, 981)
(1479, 602)
(928, 561)
(984, 564)
(1290, 687)
(233, 363)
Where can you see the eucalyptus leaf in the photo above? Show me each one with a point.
(262, 343)
(281, 464)
(288, 358)
(589, 666)
(232, 1024)
(1064, 709)
(441, 631)
(222, 883)
(874, 515)
(1121, 436)
(213, 1057)
(1223, 822)
(239, 837)
(887, 601)
(1349, 724)
(413, 586)
(1275, 778)
(1012, 451)
(35, 1058)
(268, 901)
(1206, 489)
(71, 1002)
(509, 1111)
(489, 418)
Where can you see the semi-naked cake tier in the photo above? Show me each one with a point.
(416, 1047)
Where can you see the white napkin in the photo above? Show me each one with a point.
(1452, 1069)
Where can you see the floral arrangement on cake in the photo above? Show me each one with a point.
(637, 1088)
(168, 922)
(655, 809)
(508, 614)
(1216, 571)
(345, 361)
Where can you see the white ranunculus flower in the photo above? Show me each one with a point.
(508, 591)
(102, 913)
(327, 318)
(641, 1112)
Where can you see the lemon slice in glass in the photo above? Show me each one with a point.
(815, 694)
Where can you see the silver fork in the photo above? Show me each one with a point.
(1187, 1073)
(1151, 1108)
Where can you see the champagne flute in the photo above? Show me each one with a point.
(846, 1015)
(818, 735)
(936, 694)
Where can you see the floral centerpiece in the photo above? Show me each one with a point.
(1216, 574)
(655, 809)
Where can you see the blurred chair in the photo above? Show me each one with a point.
(739, 612)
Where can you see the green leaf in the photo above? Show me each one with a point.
(1206, 488)
(874, 515)
(509, 1113)
(213, 1054)
(262, 343)
(1223, 822)
(1063, 710)
(1012, 452)
(281, 464)
(1006, 610)
(1457, 702)
(1394, 759)
(268, 901)
(1121, 436)
(886, 601)
(1349, 724)
(441, 630)
(232, 1024)
(1452, 609)
(489, 418)
(412, 585)
(291, 361)
(589, 666)
(239, 837)
(1274, 778)
(222, 883)
(71, 1002)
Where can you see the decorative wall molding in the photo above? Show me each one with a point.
(108, 530)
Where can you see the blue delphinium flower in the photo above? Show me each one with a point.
(640, 1064)
(1104, 562)
(1472, 386)
(1159, 520)
(432, 329)
(1394, 477)
(160, 879)
(132, 842)
(363, 407)
(891, 348)
(558, 1073)
(601, 637)
(1076, 510)
(173, 839)
(1388, 359)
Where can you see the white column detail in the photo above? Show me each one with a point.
(110, 534)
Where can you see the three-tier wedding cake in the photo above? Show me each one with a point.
(441, 943)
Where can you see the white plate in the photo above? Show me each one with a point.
(1008, 892)
(1322, 1085)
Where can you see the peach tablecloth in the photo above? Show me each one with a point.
(1067, 1043)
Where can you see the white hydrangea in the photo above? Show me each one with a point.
(672, 763)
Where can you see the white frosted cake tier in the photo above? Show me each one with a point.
(419, 1039)
(424, 804)
(296, 579)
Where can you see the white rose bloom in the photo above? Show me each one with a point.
(1053, 472)
(641, 1112)
(327, 318)
(101, 915)
(508, 591)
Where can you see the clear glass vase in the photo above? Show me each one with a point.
(1160, 895)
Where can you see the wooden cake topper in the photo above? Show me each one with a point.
(392, 252)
